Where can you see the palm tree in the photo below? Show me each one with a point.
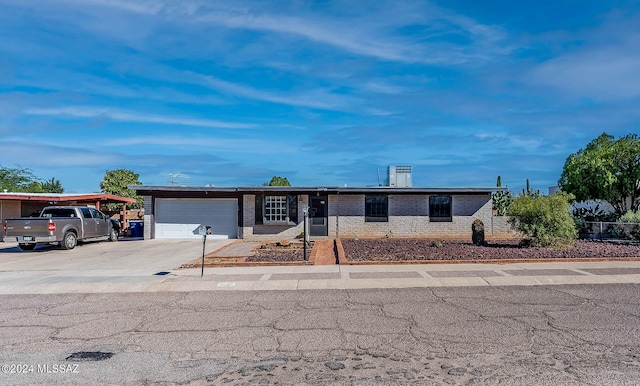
(52, 186)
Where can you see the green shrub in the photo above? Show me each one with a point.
(631, 216)
(546, 220)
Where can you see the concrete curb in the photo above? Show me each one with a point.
(343, 260)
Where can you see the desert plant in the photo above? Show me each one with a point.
(631, 216)
(501, 200)
(477, 233)
(530, 192)
(592, 214)
(546, 220)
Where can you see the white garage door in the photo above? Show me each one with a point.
(178, 218)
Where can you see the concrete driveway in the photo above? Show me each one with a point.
(128, 260)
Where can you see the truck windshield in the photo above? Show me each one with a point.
(58, 212)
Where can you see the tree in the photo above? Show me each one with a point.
(117, 182)
(606, 169)
(546, 220)
(52, 186)
(277, 181)
(15, 179)
(21, 179)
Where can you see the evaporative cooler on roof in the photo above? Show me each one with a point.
(399, 176)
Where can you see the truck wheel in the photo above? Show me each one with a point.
(70, 240)
(26, 247)
(113, 235)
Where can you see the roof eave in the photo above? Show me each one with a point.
(149, 190)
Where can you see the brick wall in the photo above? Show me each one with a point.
(501, 228)
(408, 217)
(252, 231)
(248, 216)
(149, 216)
(472, 205)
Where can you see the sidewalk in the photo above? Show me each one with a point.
(333, 277)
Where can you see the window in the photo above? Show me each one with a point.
(59, 212)
(440, 208)
(86, 213)
(96, 214)
(292, 209)
(276, 209)
(376, 208)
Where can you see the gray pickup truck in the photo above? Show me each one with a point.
(64, 225)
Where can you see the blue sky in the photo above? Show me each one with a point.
(231, 93)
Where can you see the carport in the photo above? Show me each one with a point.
(13, 205)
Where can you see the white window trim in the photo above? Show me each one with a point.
(282, 206)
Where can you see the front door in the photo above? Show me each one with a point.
(318, 216)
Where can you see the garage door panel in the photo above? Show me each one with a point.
(178, 218)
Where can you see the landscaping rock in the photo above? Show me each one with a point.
(421, 249)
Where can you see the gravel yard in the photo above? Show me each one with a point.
(273, 252)
(419, 249)
(395, 250)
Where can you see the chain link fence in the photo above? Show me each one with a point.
(603, 230)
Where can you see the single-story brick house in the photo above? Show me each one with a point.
(275, 212)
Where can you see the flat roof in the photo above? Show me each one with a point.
(150, 190)
(56, 197)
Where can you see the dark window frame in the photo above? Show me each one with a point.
(259, 207)
(290, 206)
(441, 208)
(376, 208)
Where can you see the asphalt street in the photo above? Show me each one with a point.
(532, 335)
(101, 314)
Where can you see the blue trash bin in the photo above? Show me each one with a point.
(136, 228)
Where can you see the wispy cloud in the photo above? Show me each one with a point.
(373, 33)
(597, 74)
(319, 99)
(204, 143)
(604, 66)
(65, 155)
(126, 116)
(330, 89)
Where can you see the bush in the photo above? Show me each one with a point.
(546, 220)
(631, 216)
